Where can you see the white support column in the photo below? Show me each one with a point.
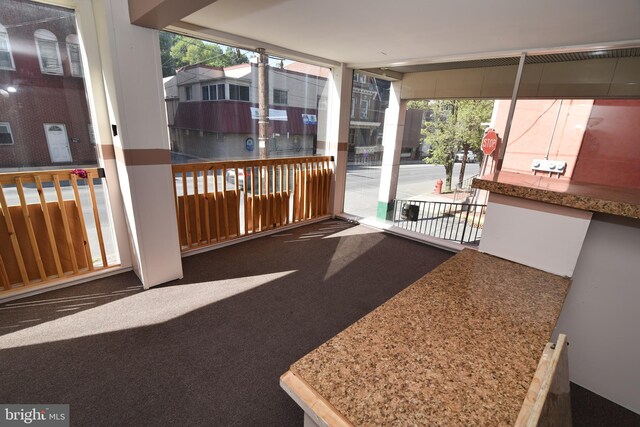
(92, 68)
(333, 134)
(132, 75)
(392, 143)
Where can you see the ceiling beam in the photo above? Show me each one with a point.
(157, 14)
(222, 37)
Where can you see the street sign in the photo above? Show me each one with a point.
(489, 142)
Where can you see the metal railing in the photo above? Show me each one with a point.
(460, 222)
(464, 191)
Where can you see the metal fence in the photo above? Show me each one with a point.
(460, 222)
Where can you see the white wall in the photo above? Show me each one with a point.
(540, 235)
(601, 315)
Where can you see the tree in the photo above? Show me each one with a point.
(179, 51)
(455, 125)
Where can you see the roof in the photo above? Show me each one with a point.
(235, 117)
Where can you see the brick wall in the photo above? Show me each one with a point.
(41, 98)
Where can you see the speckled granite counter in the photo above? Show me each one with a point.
(458, 347)
(589, 197)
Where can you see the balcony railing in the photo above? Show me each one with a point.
(220, 201)
(50, 227)
(461, 222)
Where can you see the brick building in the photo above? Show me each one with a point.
(44, 118)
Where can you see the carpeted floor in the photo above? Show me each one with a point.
(209, 349)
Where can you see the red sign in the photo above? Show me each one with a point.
(489, 142)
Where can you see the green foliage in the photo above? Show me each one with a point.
(179, 51)
(418, 104)
(455, 125)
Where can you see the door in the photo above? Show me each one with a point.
(58, 142)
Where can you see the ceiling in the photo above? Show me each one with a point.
(403, 33)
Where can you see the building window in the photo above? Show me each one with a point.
(6, 58)
(188, 93)
(239, 93)
(353, 107)
(213, 92)
(280, 96)
(73, 50)
(48, 52)
(6, 138)
(364, 108)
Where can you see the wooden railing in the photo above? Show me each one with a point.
(44, 232)
(230, 199)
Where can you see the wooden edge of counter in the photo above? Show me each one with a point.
(548, 401)
(314, 405)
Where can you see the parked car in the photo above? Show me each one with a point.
(471, 157)
(231, 178)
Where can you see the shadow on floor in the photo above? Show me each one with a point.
(207, 349)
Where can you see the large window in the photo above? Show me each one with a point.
(6, 57)
(48, 52)
(238, 93)
(213, 92)
(201, 130)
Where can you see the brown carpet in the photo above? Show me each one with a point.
(208, 349)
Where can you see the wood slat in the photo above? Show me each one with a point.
(225, 204)
(196, 201)
(185, 208)
(4, 277)
(65, 225)
(246, 186)
(14, 239)
(235, 168)
(76, 194)
(30, 231)
(207, 223)
(47, 222)
(215, 203)
(96, 218)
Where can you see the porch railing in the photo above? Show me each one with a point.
(50, 227)
(220, 201)
(461, 222)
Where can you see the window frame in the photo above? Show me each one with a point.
(72, 40)
(280, 93)
(364, 108)
(10, 133)
(236, 88)
(46, 36)
(9, 51)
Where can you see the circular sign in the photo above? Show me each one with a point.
(489, 141)
(249, 144)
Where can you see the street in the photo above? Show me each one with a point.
(415, 181)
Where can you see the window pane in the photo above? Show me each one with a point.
(49, 56)
(45, 121)
(370, 98)
(205, 93)
(228, 128)
(74, 59)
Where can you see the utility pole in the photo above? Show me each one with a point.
(263, 103)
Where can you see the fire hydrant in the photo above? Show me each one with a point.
(438, 188)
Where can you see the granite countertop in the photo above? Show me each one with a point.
(458, 347)
(590, 197)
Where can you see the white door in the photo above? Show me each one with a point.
(59, 149)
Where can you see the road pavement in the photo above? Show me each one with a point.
(415, 181)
